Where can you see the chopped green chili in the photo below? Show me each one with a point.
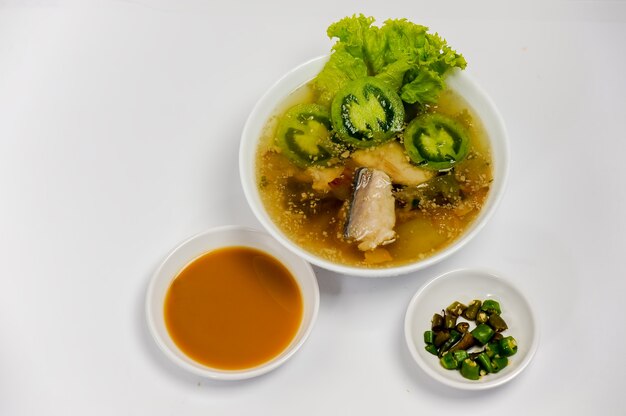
(484, 361)
(450, 321)
(459, 348)
(436, 322)
(460, 355)
(454, 337)
(472, 310)
(491, 306)
(497, 323)
(431, 349)
(448, 362)
(482, 317)
(482, 333)
(456, 308)
(508, 345)
(462, 327)
(441, 337)
(470, 370)
(498, 363)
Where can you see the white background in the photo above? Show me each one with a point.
(119, 132)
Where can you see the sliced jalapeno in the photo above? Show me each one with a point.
(436, 142)
(303, 135)
(366, 112)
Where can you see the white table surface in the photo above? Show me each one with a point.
(119, 133)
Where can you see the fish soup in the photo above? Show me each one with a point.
(408, 188)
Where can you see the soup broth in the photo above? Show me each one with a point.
(307, 207)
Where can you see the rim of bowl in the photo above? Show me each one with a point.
(266, 106)
(217, 374)
(491, 274)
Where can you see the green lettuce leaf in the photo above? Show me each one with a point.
(400, 53)
(341, 68)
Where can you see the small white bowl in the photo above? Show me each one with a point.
(459, 81)
(228, 236)
(464, 286)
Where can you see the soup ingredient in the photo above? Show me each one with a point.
(366, 113)
(436, 192)
(402, 54)
(233, 308)
(303, 135)
(437, 142)
(454, 346)
(371, 216)
(391, 159)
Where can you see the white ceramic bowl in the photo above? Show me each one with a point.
(459, 81)
(228, 236)
(465, 286)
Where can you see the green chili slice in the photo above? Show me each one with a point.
(472, 310)
(482, 333)
(491, 306)
(508, 346)
(303, 135)
(366, 112)
(498, 363)
(436, 142)
(448, 361)
(470, 370)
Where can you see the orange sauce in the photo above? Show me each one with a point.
(233, 308)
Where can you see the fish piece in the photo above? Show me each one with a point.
(391, 159)
(371, 216)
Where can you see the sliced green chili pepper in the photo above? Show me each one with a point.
(491, 306)
(499, 363)
(303, 135)
(460, 355)
(484, 361)
(482, 333)
(508, 345)
(497, 323)
(429, 337)
(482, 317)
(441, 337)
(493, 349)
(456, 308)
(454, 337)
(472, 310)
(366, 112)
(470, 370)
(435, 141)
(431, 349)
(462, 327)
(466, 342)
(448, 361)
(436, 322)
(450, 321)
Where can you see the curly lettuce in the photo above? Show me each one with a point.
(402, 54)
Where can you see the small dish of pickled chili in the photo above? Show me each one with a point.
(490, 329)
